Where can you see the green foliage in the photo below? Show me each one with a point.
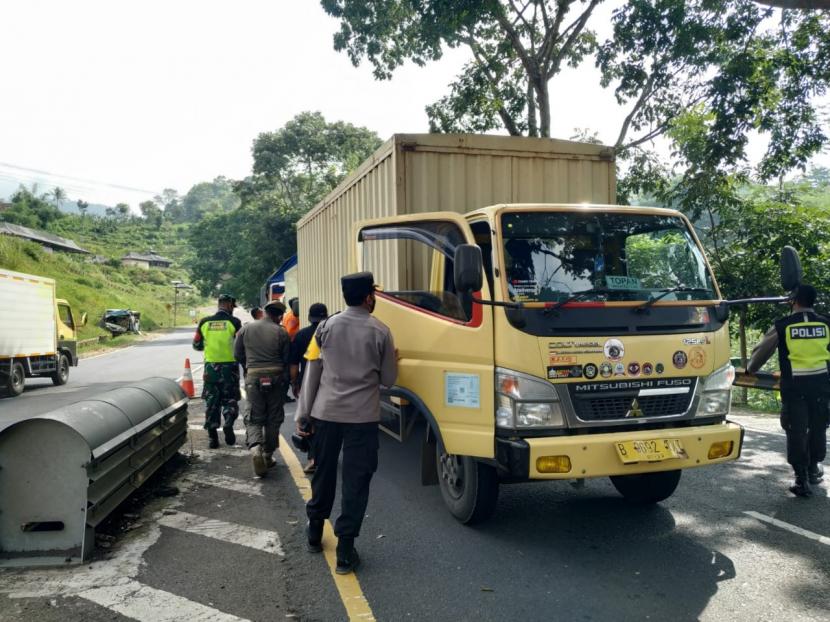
(294, 167)
(92, 288)
(204, 198)
(29, 210)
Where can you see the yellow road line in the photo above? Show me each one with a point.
(357, 607)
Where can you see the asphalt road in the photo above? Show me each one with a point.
(161, 356)
(230, 547)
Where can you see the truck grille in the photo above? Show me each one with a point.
(598, 407)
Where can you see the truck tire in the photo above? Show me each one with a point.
(647, 488)
(15, 380)
(470, 488)
(61, 376)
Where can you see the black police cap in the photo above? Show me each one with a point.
(317, 312)
(358, 284)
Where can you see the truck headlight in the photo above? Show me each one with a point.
(523, 401)
(717, 392)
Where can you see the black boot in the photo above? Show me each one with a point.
(801, 487)
(314, 531)
(230, 437)
(815, 473)
(347, 557)
(214, 438)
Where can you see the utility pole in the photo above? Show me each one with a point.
(177, 285)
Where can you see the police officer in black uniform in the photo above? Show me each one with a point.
(803, 342)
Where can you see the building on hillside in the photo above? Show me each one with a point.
(48, 241)
(5, 207)
(147, 260)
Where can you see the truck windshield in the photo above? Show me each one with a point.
(610, 256)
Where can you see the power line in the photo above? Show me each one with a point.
(94, 182)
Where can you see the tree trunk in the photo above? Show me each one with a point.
(543, 104)
(744, 398)
(532, 127)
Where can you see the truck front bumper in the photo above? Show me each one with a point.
(595, 455)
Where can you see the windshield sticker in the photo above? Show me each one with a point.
(590, 371)
(527, 289)
(634, 368)
(695, 341)
(614, 349)
(648, 369)
(697, 357)
(622, 282)
(679, 359)
(659, 368)
(605, 370)
(619, 369)
(564, 371)
(462, 390)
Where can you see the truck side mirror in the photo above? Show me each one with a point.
(467, 268)
(83, 319)
(791, 272)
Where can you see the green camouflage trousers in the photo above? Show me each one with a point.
(221, 394)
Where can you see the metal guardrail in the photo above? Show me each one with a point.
(63, 472)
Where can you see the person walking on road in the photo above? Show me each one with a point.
(803, 343)
(263, 348)
(215, 336)
(316, 314)
(351, 355)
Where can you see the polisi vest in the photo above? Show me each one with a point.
(218, 335)
(803, 340)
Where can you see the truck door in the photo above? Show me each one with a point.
(445, 339)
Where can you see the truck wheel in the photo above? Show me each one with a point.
(15, 380)
(62, 375)
(470, 488)
(647, 487)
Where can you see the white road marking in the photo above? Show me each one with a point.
(259, 539)
(791, 528)
(193, 371)
(229, 483)
(147, 604)
(116, 351)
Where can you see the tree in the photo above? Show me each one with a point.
(83, 206)
(208, 197)
(58, 194)
(123, 210)
(29, 210)
(170, 203)
(732, 57)
(152, 213)
(294, 167)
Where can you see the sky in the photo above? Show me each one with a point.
(115, 101)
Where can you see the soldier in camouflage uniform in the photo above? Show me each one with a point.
(215, 336)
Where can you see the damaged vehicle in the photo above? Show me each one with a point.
(121, 321)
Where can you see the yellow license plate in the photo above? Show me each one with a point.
(654, 450)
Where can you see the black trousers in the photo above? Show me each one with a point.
(804, 418)
(359, 442)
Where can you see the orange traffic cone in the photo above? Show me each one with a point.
(187, 380)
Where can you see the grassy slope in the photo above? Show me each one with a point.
(91, 288)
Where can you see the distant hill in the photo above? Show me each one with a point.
(9, 186)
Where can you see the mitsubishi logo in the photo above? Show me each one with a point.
(635, 410)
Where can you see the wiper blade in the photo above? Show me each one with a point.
(666, 292)
(577, 296)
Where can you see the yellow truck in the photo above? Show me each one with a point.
(38, 332)
(544, 332)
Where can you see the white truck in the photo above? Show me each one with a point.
(38, 332)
